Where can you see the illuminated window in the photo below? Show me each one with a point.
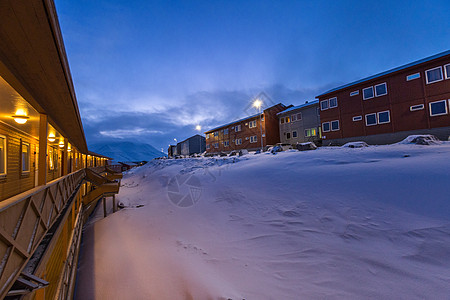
(313, 131)
(51, 165)
(288, 120)
(2, 155)
(307, 132)
(25, 157)
(434, 75)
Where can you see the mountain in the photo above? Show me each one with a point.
(126, 151)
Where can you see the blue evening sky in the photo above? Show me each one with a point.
(149, 71)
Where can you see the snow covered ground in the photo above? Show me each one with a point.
(334, 223)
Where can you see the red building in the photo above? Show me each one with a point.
(246, 133)
(387, 107)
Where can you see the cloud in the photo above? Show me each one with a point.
(128, 133)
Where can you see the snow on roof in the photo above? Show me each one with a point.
(388, 72)
(306, 104)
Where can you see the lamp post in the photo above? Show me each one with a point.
(258, 105)
(199, 128)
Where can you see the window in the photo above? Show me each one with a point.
(282, 120)
(25, 157)
(51, 164)
(354, 93)
(288, 120)
(207, 136)
(357, 118)
(333, 102)
(368, 93)
(434, 75)
(216, 145)
(216, 133)
(416, 107)
(326, 126)
(380, 89)
(438, 108)
(294, 118)
(324, 104)
(288, 135)
(384, 117)
(307, 132)
(299, 116)
(226, 143)
(313, 131)
(253, 139)
(252, 124)
(237, 128)
(447, 71)
(334, 125)
(412, 76)
(262, 118)
(238, 142)
(2, 155)
(207, 146)
(371, 119)
(225, 131)
(294, 134)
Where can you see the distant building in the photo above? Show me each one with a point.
(192, 145)
(387, 107)
(300, 124)
(172, 150)
(246, 133)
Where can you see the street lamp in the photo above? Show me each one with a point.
(258, 104)
(199, 128)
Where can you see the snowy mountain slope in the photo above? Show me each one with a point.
(127, 151)
(334, 223)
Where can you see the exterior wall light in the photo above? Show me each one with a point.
(21, 116)
(51, 137)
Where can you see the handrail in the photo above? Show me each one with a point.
(24, 221)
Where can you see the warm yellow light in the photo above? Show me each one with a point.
(61, 145)
(21, 116)
(257, 103)
(51, 137)
(69, 148)
(198, 127)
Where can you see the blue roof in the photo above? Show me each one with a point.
(228, 124)
(389, 71)
(299, 106)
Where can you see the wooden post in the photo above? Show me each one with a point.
(42, 159)
(64, 158)
(104, 207)
(114, 203)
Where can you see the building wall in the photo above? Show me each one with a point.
(310, 120)
(401, 95)
(250, 137)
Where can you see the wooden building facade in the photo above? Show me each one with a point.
(49, 181)
(387, 107)
(246, 133)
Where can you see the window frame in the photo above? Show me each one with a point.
(5, 156)
(288, 135)
(324, 101)
(307, 132)
(252, 124)
(375, 89)
(446, 74)
(357, 118)
(294, 134)
(331, 125)
(225, 131)
(253, 139)
(313, 131)
(282, 120)
(208, 146)
(378, 117)
(226, 143)
(28, 158)
(354, 93)
(237, 128)
(373, 93)
(299, 116)
(426, 75)
(216, 133)
(294, 118)
(329, 102)
(238, 141)
(376, 120)
(417, 107)
(413, 76)
(440, 114)
(216, 145)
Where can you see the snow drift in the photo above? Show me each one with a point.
(335, 223)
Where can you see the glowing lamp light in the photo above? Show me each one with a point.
(198, 127)
(61, 144)
(21, 116)
(257, 103)
(51, 137)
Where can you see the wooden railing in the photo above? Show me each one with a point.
(24, 221)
